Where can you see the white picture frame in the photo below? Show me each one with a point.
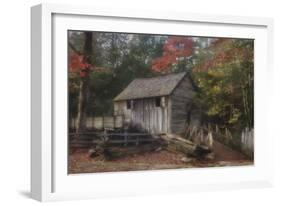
(49, 178)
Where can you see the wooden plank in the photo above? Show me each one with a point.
(157, 120)
(108, 122)
(179, 98)
(118, 121)
(139, 140)
(98, 122)
(175, 143)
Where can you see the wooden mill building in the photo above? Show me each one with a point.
(159, 104)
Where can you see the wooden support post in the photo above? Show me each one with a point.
(185, 134)
(192, 131)
(105, 136)
(103, 122)
(201, 136)
(137, 142)
(126, 136)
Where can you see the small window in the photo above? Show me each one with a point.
(157, 101)
(128, 104)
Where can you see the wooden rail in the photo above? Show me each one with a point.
(111, 134)
(89, 139)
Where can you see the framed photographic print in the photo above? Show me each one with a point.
(137, 102)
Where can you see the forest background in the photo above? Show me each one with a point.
(102, 64)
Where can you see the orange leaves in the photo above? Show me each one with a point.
(163, 63)
(175, 48)
(78, 65)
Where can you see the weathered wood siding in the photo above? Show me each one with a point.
(145, 115)
(170, 117)
(180, 98)
(120, 108)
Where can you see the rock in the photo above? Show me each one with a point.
(92, 153)
(158, 149)
(224, 163)
(186, 159)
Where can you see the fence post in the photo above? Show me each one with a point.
(201, 136)
(137, 142)
(105, 136)
(114, 120)
(217, 129)
(210, 140)
(103, 122)
(247, 141)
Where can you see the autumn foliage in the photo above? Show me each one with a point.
(224, 52)
(77, 64)
(225, 78)
(175, 48)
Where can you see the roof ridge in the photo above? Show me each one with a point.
(151, 86)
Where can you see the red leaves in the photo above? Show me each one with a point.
(78, 65)
(163, 63)
(174, 48)
(178, 46)
(224, 52)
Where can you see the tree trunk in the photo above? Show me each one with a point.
(177, 144)
(82, 105)
(84, 85)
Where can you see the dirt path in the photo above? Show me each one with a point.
(224, 153)
(80, 162)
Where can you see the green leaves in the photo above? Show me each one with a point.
(225, 79)
(222, 68)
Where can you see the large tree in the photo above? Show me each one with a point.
(225, 78)
(81, 63)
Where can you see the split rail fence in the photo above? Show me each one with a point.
(90, 139)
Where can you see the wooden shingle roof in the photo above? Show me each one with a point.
(151, 87)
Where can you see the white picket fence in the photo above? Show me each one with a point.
(247, 140)
(100, 122)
